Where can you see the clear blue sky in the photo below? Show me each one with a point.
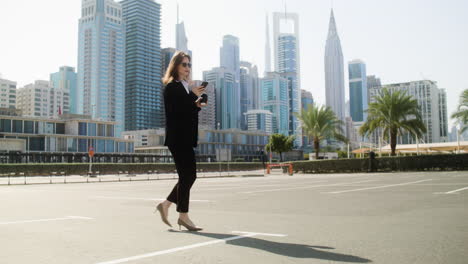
(400, 40)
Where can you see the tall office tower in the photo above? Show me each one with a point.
(207, 116)
(101, 62)
(287, 63)
(275, 98)
(7, 94)
(42, 99)
(259, 120)
(166, 56)
(306, 98)
(143, 89)
(249, 93)
(358, 98)
(442, 105)
(65, 79)
(267, 49)
(372, 82)
(226, 100)
(334, 71)
(432, 103)
(229, 59)
(181, 37)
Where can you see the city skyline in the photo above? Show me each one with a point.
(429, 40)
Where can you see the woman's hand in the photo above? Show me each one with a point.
(198, 90)
(199, 104)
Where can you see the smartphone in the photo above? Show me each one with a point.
(204, 84)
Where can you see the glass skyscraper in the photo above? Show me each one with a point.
(287, 63)
(65, 79)
(227, 102)
(358, 99)
(143, 87)
(249, 94)
(101, 62)
(275, 98)
(229, 59)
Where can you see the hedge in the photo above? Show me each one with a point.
(383, 164)
(39, 169)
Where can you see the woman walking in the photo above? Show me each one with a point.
(181, 105)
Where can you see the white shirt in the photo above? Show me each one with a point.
(186, 85)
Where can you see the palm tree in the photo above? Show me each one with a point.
(280, 143)
(462, 113)
(319, 123)
(394, 112)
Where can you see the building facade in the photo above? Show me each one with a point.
(334, 71)
(226, 97)
(249, 92)
(143, 67)
(69, 133)
(358, 99)
(306, 98)
(65, 80)
(259, 120)
(42, 99)
(7, 94)
(433, 106)
(287, 62)
(101, 62)
(275, 99)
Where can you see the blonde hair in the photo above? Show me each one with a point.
(172, 72)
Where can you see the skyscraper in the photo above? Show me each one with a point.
(65, 79)
(143, 91)
(358, 90)
(267, 49)
(334, 71)
(287, 63)
(101, 62)
(259, 120)
(227, 102)
(249, 93)
(230, 59)
(166, 56)
(275, 98)
(306, 98)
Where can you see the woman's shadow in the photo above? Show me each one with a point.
(285, 249)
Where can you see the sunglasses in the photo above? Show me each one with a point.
(185, 64)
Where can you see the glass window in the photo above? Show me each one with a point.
(122, 147)
(91, 129)
(101, 146)
(101, 130)
(82, 128)
(60, 128)
(82, 145)
(49, 128)
(5, 125)
(110, 130)
(71, 144)
(61, 144)
(36, 144)
(109, 145)
(17, 126)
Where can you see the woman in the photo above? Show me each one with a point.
(181, 108)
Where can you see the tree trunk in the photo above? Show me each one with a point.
(393, 135)
(281, 156)
(316, 146)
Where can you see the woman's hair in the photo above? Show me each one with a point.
(172, 72)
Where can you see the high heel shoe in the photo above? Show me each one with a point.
(189, 227)
(163, 215)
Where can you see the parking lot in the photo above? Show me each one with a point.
(417, 217)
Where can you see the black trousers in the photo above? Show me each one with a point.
(184, 158)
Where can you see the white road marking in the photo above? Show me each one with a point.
(454, 191)
(306, 187)
(45, 220)
(207, 243)
(379, 187)
(138, 198)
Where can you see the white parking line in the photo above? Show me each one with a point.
(211, 242)
(138, 198)
(379, 187)
(454, 191)
(306, 187)
(45, 220)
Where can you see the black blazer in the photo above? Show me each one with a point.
(181, 115)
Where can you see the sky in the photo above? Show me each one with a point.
(399, 40)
